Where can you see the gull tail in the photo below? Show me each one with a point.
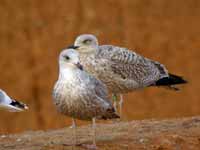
(170, 81)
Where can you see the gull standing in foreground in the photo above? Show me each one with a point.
(78, 94)
(9, 104)
(122, 70)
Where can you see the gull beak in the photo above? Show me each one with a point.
(79, 66)
(72, 47)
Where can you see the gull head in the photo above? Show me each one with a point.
(69, 59)
(86, 43)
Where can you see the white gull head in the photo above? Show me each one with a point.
(69, 59)
(86, 42)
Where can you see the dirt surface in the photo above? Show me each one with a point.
(176, 134)
(33, 32)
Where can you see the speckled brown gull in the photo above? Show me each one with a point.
(9, 104)
(78, 94)
(122, 70)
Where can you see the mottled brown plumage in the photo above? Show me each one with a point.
(78, 94)
(122, 70)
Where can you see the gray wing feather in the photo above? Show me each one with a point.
(100, 102)
(130, 65)
(100, 90)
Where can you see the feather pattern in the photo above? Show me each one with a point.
(80, 95)
(121, 69)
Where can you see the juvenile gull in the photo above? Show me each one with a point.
(10, 104)
(120, 69)
(78, 94)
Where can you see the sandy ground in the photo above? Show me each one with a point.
(175, 134)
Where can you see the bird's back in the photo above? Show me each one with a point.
(122, 70)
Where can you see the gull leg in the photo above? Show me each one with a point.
(120, 105)
(73, 126)
(74, 131)
(94, 131)
(93, 145)
(114, 98)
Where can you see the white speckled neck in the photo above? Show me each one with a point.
(67, 74)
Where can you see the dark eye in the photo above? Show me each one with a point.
(67, 57)
(87, 41)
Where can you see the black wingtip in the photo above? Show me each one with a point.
(18, 104)
(111, 115)
(179, 79)
(171, 80)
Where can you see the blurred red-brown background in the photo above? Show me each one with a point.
(32, 33)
